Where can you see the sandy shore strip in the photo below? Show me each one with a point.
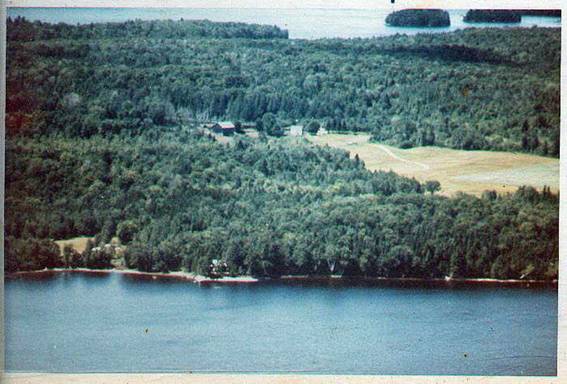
(200, 279)
(193, 277)
(417, 280)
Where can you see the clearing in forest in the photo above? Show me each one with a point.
(77, 243)
(457, 170)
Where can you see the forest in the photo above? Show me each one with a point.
(539, 12)
(506, 15)
(22, 30)
(471, 89)
(178, 199)
(103, 140)
(419, 18)
(492, 16)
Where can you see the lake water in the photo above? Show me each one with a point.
(301, 23)
(63, 322)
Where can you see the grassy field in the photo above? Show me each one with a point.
(78, 243)
(466, 171)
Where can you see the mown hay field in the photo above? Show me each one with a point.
(77, 243)
(458, 171)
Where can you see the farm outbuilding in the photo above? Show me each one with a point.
(225, 128)
(296, 130)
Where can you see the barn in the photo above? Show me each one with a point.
(296, 130)
(225, 128)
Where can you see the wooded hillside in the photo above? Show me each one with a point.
(472, 89)
(102, 140)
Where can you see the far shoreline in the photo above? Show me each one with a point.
(245, 279)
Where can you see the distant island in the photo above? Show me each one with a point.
(492, 16)
(419, 18)
(539, 12)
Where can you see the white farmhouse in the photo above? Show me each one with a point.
(296, 130)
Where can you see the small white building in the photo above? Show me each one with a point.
(322, 131)
(296, 130)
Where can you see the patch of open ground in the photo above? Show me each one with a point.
(78, 243)
(457, 170)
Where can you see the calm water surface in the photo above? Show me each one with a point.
(301, 23)
(62, 322)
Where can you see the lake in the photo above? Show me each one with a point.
(94, 322)
(301, 23)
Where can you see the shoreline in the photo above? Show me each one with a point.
(189, 276)
(200, 279)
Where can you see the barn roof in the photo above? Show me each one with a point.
(225, 124)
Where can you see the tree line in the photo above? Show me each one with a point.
(419, 18)
(492, 16)
(23, 30)
(177, 199)
(507, 15)
(103, 140)
(471, 89)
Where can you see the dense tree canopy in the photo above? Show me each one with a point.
(22, 30)
(103, 140)
(492, 16)
(419, 18)
(539, 12)
(507, 15)
(177, 199)
(471, 89)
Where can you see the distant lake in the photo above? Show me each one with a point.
(301, 23)
(63, 322)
